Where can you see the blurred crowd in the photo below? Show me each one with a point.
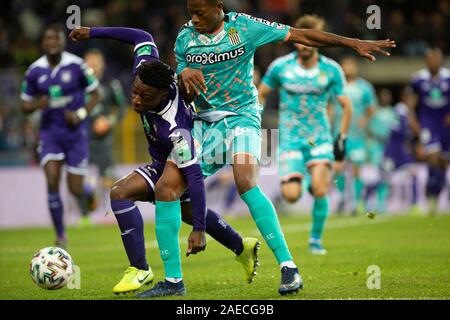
(414, 25)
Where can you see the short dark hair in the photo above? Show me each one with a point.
(156, 74)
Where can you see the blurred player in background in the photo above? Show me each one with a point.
(306, 81)
(431, 119)
(57, 84)
(398, 158)
(163, 181)
(215, 53)
(363, 98)
(104, 117)
(378, 133)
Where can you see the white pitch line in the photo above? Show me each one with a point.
(293, 228)
(287, 228)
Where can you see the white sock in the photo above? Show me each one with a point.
(290, 264)
(315, 241)
(174, 280)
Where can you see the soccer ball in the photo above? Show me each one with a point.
(51, 268)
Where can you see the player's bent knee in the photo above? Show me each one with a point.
(291, 192)
(320, 192)
(118, 192)
(245, 183)
(165, 192)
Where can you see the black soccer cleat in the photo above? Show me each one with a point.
(291, 281)
(164, 289)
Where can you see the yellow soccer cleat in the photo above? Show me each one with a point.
(249, 257)
(133, 279)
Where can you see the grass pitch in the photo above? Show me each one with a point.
(413, 254)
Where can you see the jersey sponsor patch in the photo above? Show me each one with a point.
(212, 57)
(144, 51)
(181, 148)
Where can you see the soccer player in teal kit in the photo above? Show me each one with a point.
(307, 81)
(214, 52)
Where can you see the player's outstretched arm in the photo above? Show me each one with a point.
(316, 38)
(127, 35)
(144, 47)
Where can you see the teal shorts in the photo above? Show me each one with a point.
(298, 155)
(375, 152)
(217, 142)
(356, 151)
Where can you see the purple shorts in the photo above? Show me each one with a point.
(73, 149)
(151, 173)
(435, 136)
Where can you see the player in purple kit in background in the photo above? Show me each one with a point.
(431, 119)
(167, 122)
(399, 149)
(57, 84)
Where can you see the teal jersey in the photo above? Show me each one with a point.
(226, 60)
(304, 94)
(379, 129)
(382, 122)
(362, 94)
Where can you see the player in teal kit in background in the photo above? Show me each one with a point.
(379, 130)
(363, 97)
(215, 52)
(307, 81)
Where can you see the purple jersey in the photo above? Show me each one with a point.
(433, 107)
(66, 86)
(398, 150)
(433, 94)
(168, 130)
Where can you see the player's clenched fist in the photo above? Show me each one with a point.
(79, 33)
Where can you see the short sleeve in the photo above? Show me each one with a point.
(180, 55)
(264, 32)
(29, 90)
(338, 82)
(370, 97)
(88, 80)
(271, 78)
(414, 85)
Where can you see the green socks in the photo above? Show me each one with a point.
(319, 213)
(382, 196)
(168, 224)
(266, 219)
(340, 182)
(359, 185)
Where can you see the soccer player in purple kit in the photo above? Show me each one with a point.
(431, 118)
(57, 84)
(398, 151)
(167, 122)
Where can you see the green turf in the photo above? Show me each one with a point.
(412, 252)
